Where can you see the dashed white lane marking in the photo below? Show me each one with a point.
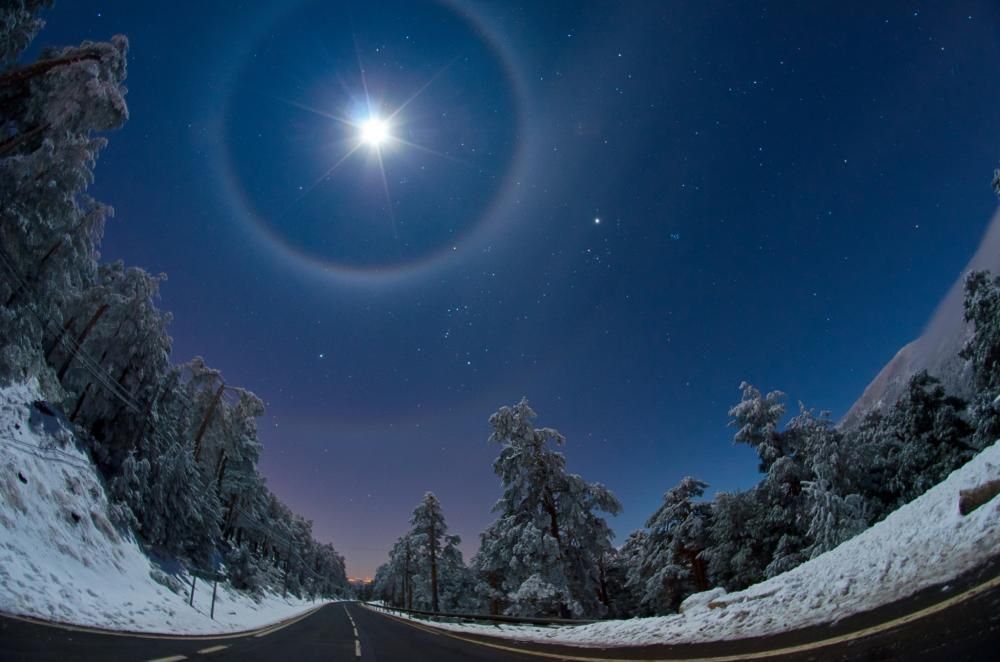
(354, 626)
(172, 658)
(212, 649)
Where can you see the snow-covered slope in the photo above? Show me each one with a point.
(924, 543)
(936, 350)
(60, 557)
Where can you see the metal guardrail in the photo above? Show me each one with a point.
(482, 618)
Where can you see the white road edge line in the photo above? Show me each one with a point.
(212, 649)
(172, 658)
(357, 648)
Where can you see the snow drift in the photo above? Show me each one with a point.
(923, 544)
(62, 560)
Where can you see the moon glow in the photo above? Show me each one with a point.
(375, 131)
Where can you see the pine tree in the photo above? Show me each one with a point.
(783, 461)
(756, 418)
(624, 597)
(670, 566)
(49, 230)
(543, 552)
(740, 546)
(429, 528)
(832, 481)
(19, 23)
(982, 310)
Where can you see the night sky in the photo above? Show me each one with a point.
(617, 209)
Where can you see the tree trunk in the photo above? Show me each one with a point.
(67, 325)
(12, 143)
(22, 74)
(288, 568)
(221, 470)
(205, 421)
(146, 416)
(494, 601)
(38, 275)
(549, 504)
(698, 569)
(100, 362)
(80, 401)
(434, 568)
(408, 586)
(82, 338)
(602, 585)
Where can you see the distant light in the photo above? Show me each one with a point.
(597, 221)
(375, 131)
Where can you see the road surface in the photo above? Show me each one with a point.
(328, 634)
(969, 629)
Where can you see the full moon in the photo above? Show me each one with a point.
(374, 131)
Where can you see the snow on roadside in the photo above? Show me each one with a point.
(924, 543)
(62, 560)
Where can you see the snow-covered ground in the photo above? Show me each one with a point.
(60, 558)
(924, 543)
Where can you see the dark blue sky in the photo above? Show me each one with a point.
(785, 191)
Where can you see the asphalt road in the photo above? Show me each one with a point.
(969, 629)
(328, 635)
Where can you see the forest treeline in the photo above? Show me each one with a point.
(550, 553)
(177, 446)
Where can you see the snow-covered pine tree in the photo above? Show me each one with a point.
(456, 581)
(19, 23)
(835, 507)
(923, 438)
(131, 349)
(833, 517)
(394, 581)
(982, 310)
(429, 528)
(756, 418)
(670, 566)
(49, 230)
(623, 597)
(739, 547)
(782, 460)
(545, 548)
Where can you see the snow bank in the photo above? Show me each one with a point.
(61, 559)
(924, 543)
